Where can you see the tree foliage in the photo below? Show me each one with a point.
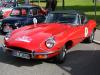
(21, 1)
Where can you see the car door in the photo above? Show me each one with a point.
(84, 28)
(80, 31)
(87, 28)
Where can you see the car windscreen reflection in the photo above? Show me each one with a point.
(61, 18)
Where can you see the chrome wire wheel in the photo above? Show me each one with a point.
(61, 57)
(91, 37)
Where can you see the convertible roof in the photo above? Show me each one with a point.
(67, 12)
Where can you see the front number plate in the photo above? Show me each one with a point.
(21, 54)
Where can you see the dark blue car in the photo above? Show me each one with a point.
(21, 16)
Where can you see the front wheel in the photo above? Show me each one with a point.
(61, 57)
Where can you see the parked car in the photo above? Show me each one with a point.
(21, 16)
(5, 9)
(61, 31)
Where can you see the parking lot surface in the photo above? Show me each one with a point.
(83, 59)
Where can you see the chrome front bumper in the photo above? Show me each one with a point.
(31, 54)
(10, 52)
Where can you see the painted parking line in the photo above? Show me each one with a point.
(96, 41)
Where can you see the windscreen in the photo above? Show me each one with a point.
(60, 17)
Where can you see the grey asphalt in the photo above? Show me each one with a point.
(83, 59)
(97, 37)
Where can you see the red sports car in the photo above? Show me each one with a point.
(61, 31)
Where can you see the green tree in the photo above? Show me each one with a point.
(21, 1)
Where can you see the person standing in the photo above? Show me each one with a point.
(48, 5)
(51, 5)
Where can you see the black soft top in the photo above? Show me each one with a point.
(74, 12)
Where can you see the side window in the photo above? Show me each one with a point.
(24, 12)
(78, 21)
(32, 12)
(15, 12)
(35, 12)
(83, 19)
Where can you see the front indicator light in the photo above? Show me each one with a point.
(7, 36)
(41, 56)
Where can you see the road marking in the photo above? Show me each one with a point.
(97, 42)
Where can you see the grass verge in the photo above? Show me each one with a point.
(86, 6)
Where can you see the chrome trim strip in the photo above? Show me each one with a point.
(33, 53)
(5, 49)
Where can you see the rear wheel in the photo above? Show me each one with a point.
(91, 37)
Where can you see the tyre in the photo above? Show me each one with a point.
(91, 37)
(61, 57)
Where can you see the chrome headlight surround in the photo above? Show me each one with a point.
(7, 36)
(50, 42)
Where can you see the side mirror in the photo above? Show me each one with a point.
(85, 20)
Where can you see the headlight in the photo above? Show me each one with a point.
(7, 36)
(50, 42)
